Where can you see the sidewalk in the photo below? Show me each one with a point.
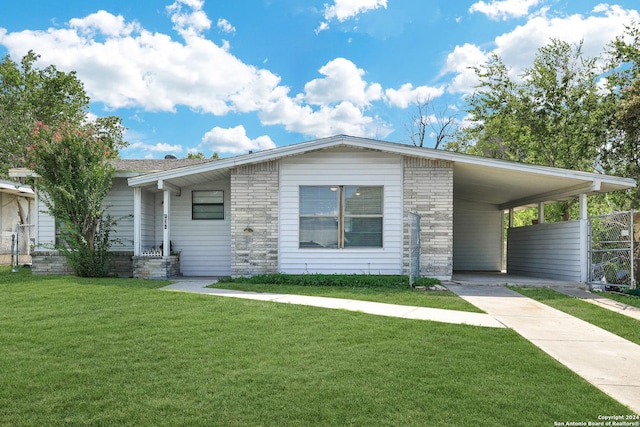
(377, 308)
(607, 361)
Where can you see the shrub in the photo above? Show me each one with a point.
(341, 280)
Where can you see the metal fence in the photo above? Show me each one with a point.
(414, 247)
(613, 250)
(16, 246)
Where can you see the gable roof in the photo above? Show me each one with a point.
(503, 183)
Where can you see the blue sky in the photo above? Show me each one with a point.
(232, 76)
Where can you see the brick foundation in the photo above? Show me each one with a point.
(151, 267)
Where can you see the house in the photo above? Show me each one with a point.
(341, 205)
(16, 212)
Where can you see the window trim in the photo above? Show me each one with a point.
(341, 216)
(193, 204)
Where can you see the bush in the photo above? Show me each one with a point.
(341, 280)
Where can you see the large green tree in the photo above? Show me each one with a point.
(73, 179)
(550, 115)
(28, 95)
(621, 155)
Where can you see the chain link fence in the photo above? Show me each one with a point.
(613, 252)
(17, 245)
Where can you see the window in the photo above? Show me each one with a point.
(341, 216)
(207, 204)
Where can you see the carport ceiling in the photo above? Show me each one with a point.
(526, 185)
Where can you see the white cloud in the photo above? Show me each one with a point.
(225, 26)
(234, 141)
(160, 147)
(123, 65)
(105, 23)
(343, 10)
(519, 47)
(504, 9)
(407, 94)
(342, 82)
(191, 22)
(460, 62)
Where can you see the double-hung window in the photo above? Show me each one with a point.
(207, 204)
(341, 216)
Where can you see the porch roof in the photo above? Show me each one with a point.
(502, 183)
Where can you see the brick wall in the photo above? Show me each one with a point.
(428, 191)
(254, 219)
(52, 262)
(49, 262)
(147, 267)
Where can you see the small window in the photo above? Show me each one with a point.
(341, 216)
(207, 204)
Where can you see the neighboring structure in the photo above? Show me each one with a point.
(16, 207)
(341, 205)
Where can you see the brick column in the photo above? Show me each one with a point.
(254, 219)
(428, 191)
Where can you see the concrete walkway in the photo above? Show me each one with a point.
(607, 361)
(377, 308)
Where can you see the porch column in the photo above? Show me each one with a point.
(166, 229)
(511, 217)
(167, 189)
(137, 221)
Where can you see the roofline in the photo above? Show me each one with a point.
(384, 146)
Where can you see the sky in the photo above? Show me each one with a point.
(232, 76)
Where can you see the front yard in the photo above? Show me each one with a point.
(117, 352)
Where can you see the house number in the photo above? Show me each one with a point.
(166, 221)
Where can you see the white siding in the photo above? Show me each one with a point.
(552, 250)
(341, 167)
(45, 227)
(119, 204)
(477, 237)
(147, 221)
(204, 245)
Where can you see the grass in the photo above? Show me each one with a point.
(618, 324)
(116, 352)
(434, 299)
(625, 299)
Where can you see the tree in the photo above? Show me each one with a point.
(73, 178)
(621, 155)
(427, 121)
(200, 155)
(29, 95)
(552, 115)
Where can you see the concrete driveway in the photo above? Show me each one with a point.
(607, 361)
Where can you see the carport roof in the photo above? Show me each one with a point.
(502, 183)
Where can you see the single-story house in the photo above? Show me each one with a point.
(16, 207)
(343, 205)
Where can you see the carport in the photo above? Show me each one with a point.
(484, 189)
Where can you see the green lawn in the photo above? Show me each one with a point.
(625, 299)
(409, 296)
(116, 352)
(618, 324)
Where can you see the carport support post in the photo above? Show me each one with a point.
(541, 213)
(583, 206)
